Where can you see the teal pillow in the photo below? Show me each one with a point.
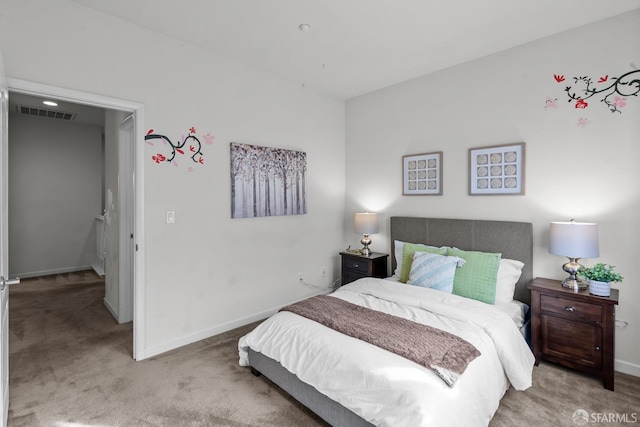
(434, 271)
(477, 278)
(407, 257)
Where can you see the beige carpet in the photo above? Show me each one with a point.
(71, 365)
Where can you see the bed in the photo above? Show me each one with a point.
(349, 382)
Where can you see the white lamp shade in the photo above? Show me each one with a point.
(574, 239)
(366, 223)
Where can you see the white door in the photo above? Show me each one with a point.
(126, 191)
(4, 247)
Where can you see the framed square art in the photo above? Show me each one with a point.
(422, 174)
(497, 170)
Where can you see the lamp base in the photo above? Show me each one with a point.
(366, 241)
(575, 284)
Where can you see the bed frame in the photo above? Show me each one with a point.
(512, 239)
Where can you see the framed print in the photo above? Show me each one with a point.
(422, 174)
(497, 170)
(267, 181)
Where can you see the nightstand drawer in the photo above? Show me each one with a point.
(571, 309)
(355, 264)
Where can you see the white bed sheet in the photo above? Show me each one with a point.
(386, 389)
(515, 309)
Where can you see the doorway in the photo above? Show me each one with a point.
(131, 224)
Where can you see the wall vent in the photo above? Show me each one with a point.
(41, 112)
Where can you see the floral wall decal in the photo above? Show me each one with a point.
(551, 102)
(583, 122)
(189, 145)
(613, 91)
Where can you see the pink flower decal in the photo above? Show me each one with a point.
(192, 130)
(208, 139)
(619, 102)
(551, 102)
(582, 122)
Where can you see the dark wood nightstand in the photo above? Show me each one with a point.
(355, 266)
(573, 328)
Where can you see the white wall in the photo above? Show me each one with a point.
(55, 190)
(590, 173)
(205, 273)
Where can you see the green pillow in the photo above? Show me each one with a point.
(477, 278)
(407, 257)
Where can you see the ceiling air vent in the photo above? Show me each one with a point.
(41, 112)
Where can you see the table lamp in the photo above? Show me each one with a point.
(366, 223)
(574, 240)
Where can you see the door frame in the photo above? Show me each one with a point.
(137, 109)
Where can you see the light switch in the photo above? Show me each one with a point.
(171, 217)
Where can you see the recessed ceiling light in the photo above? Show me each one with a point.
(50, 103)
(304, 27)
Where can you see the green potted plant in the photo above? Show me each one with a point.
(600, 277)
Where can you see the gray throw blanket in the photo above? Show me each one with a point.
(446, 354)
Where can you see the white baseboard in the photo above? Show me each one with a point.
(208, 333)
(627, 368)
(53, 271)
(113, 312)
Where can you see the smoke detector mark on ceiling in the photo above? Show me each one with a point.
(41, 112)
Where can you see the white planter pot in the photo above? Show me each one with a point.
(601, 289)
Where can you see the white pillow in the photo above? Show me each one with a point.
(434, 271)
(398, 246)
(509, 271)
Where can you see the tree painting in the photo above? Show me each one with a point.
(267, 181)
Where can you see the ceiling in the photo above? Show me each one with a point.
(357, 46)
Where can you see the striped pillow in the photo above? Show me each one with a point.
(408, 249)
(434, 271)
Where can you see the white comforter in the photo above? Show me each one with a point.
(386, 389)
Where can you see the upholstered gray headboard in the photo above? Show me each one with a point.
(513, 239)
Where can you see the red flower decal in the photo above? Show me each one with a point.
(192, 130)
(179, 151)
(603, 79)
(192, 148)
(150, 132)
(159, 158)
(582, 104)
(201, 161)
(559, 78)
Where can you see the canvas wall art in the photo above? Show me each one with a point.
(267, 181)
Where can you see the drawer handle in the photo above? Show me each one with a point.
(569, 308)
(355, 265)
(597, 348)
